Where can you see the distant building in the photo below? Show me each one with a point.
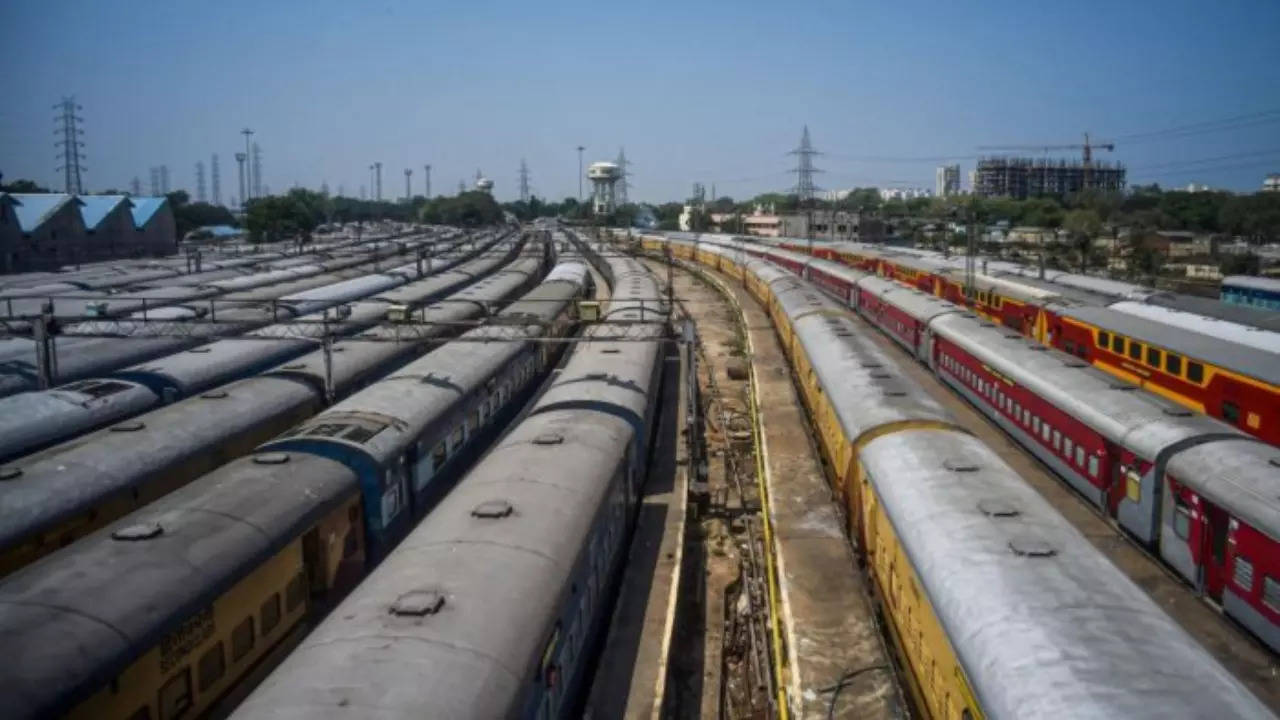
(1271, 183)
(47, 231)
(1020, 178)
(947, 182)
(1197, 187)
(887, 194)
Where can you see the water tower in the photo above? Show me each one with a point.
(603, 176)
(484, 184)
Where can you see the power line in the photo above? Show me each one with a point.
(1230, 123)
(1181, 163)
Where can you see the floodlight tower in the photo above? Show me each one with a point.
(604, 178)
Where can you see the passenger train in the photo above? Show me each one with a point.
(165, 612)
(49, 499)
(1000, 608)
(32, 420)
(1214, 366)
(490, 607)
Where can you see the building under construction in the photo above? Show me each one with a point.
(1020, 178)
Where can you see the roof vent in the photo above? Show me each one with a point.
(131, 426)
(1121, 386)
(271, 458)
(200, 350)
(611, 351)
(141, 531)
(881, 375)
(1036, 348)
(997, 508)
(986, 323)
(549, 438)
(1031, 547)
(959, 465)
(871, 364)
(492, 509)
(418, 603)
(1274, 461)
(295, 366)
(1182, 412)
(214, 394)
(895, 393)
(1075, 363)
(9, 473)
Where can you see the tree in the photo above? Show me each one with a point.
(467, 209)
(279, 217)
(23, 186)
(1083, 226)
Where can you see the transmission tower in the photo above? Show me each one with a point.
(257, 170)
(155, 181)
(462, 186)
(427, 179)
(377, 176)
(623, 183)
(70, 143)
(215, 179)
(524, 181)
(135, 187)
(240, 159)
(246, 191)
(164, 179)
(200, 195)
(804, 170)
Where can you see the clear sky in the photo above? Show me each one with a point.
(696, 91)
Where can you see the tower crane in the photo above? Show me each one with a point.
(1087, 147)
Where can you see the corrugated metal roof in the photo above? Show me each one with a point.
(33, 209)
(95, 208)
(145, 207)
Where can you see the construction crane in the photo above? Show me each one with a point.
(1087, 148)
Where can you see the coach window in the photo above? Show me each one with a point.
(1135, 350)
(1080, 456)
(1046, 428)
(175, 695)
(1153, 357)
(439, 455)
(1195, 372)
(242, 639)
(212, 666)
(1070, 346)
(1104, 339)
(1026, 416)
(1093, 465)
(1181, 517)
(1243, 573)
(1057, 440)
(1173, 363)
(1035, 424)
(1230, 411)
(1271, 593)
(1067, 447)
(271, 613)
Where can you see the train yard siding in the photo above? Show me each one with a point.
(831, 633)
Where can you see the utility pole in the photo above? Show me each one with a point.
(524, 181)
(580, 149)
(246, 188)
(200, 193)
(70, 143)
(240, 158)
(216, 178)
(427, 180)
(408, 189)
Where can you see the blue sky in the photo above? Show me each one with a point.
(697, 91)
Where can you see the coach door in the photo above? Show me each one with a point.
(1217, 526)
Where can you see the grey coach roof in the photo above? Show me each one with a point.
(1232, 356)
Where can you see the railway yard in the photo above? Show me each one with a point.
(543, 471)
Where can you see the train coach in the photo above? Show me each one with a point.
(223, 571)
(49, 499)
(1221, 368)
(999, 607)
(488, 608)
